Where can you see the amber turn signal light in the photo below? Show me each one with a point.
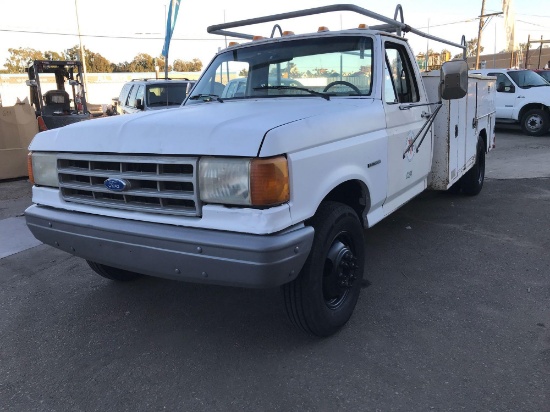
(269, 181)
(29, 168)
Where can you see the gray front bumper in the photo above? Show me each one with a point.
(181, 253)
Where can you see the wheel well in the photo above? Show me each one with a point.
(353, 193)
(531, 106)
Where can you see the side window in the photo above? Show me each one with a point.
(401, 74)
(390, 95)
(230, 89)
(504, 84)
(140, 93)
(124, 94)
(132, 96)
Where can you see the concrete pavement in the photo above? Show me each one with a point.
(456, 317)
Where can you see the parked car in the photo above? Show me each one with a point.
(522, 97)
(237, 87)
(152, 94)
(545, 74)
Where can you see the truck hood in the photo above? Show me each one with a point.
(232, 128)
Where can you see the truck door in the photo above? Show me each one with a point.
(130, 106)
(407, 169)
(506, 96)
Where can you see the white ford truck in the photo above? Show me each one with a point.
(273, 184)
(523, 97)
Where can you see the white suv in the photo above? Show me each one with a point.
(152, 94)
(522, 97)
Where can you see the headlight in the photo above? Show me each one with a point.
(43, 169)
(244, 181)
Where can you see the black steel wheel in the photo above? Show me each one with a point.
(472, 182)
(112, 273)
(535, 122)
(323, 296)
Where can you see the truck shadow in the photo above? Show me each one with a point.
(403, 254)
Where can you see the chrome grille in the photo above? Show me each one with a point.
(158, 184)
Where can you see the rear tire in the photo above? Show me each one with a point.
(535, 122)
(112, 273)
(472, 182)
(323, 296)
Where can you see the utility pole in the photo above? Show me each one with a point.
(527, 51)
(165, 57)
(481, 16)
(82, 56)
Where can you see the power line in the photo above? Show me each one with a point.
(532, 24)
(448, 24)
(532, 15)
(103, 36)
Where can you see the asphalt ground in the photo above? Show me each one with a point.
(455, 316)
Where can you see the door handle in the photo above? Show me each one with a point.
(425, 115)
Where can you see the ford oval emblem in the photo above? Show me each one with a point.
(117, 185)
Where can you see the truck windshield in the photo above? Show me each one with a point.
(166, 94)
(313, 68)
(526, 79)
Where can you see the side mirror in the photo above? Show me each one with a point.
(500, 87)
(74, 82)
(512, 89)
(31, 83)
(454, 80)
(139, 104)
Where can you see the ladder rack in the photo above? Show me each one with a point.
(390, 25)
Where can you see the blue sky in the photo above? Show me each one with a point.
(119, 29)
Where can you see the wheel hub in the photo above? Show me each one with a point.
(340, 273)
(534, 123)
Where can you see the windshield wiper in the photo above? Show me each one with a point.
(206, 97)
(323, 95)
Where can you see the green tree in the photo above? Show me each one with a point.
(159, 61)
(21, 58)
(95, 62)
(471, 47)
(143, 62)
(52, 55)
(188, 66)
(123, 67)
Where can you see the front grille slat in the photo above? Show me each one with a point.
(126, 175)
(158, 184)
(132, 192)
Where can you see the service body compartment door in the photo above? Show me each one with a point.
(451, 128)
(474, 100)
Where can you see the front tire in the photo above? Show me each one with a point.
(323, 296)
(112, 273)
(472, 182)
(535, 122)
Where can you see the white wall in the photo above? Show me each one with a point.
(102, 87)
